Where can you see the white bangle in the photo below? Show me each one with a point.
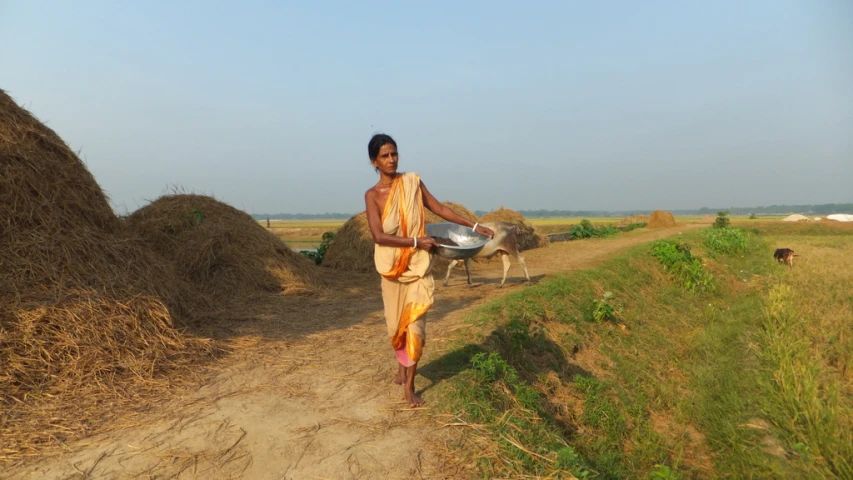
(474, 228)
(416, 242)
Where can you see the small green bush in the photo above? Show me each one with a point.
(687, 269)
(722, 220)
(587, 230)
(318, 255)
(634, 226)
(603, 309)
(729, 241)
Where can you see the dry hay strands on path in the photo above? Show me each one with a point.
(527, 236)
(221, 250)
(661, 219)
(88, 314)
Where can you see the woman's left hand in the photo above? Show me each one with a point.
(485, 231)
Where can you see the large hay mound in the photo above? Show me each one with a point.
(527, 236)
(352, 248)
(86, 312)
(661, 219)
(221, 250)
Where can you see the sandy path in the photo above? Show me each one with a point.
(307, 391)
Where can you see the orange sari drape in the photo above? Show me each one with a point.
(407, 282)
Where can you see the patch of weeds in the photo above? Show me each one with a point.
(687, 268)
(587, 230)
(663, 472)
(604, 308)
(729, 241)
(634, 226)
(318, 255)
(569, 460)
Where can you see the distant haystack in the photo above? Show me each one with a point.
(661, 219)
(840, 217)
(527, 236)
(457, 208)
(641, 218)
(796, 218)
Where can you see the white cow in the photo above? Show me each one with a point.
(504, 243)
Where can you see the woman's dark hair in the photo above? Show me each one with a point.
(376, 143)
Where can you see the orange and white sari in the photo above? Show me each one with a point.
(407, 282)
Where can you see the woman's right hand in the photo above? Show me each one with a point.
(427, 243)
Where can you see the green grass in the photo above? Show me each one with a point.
(747, 381)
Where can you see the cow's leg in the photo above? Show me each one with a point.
(468, 270)
(449, 269)
(505, 261)
(523, 266)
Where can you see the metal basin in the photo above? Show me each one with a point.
(468, 243)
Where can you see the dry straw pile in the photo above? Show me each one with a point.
(526, 233)
(641, 218)
(87, 313)
(221, 250)
(661, 219)
(457, 208)
(352, 248)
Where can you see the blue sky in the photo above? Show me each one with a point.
(558, 105)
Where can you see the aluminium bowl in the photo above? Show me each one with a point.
(469, 242)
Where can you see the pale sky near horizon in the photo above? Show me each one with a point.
(611, 105)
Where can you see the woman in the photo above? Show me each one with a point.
(396, 216)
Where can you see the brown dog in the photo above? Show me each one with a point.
(785, 255)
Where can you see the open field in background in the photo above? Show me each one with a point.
(306, 234)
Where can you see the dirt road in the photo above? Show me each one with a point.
(307, 391)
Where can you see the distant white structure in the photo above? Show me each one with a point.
(840, 217)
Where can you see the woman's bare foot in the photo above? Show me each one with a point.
(401, 375)
(413, 399)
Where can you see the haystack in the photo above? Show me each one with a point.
(352, 248)
(221, 250)
(661, 219)
(527, 236)
(631, 219)
(457, 208)
(86, 312)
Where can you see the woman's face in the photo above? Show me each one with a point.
(386, 161)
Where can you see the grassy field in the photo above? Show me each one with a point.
(307, 233)
(725, 365)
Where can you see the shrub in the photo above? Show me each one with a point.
(687, 269)
(729, 241)
(318, 255)
(587, 230)
(722, 220)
